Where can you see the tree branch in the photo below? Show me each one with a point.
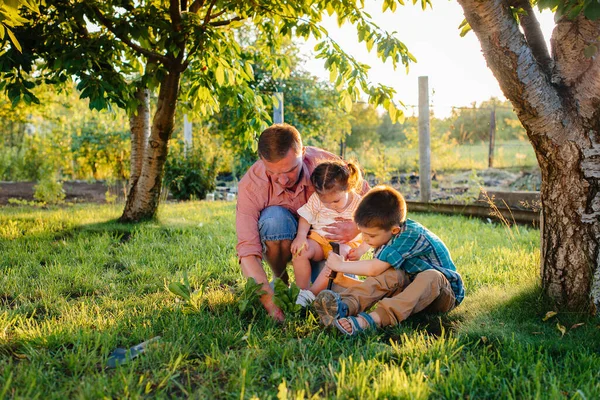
(207, 17)
(153, 56)
(196, 5)
(579, 73)
(534, 36)
(225, 22)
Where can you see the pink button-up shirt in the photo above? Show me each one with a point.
(256, 191)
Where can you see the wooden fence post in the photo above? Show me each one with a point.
(424, 140)
(492, 137)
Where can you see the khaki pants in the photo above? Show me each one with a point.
(398, 297)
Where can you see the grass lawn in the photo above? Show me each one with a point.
(74, 286)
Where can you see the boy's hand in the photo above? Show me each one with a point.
(356, 254)
(298, 245)
(334, 262)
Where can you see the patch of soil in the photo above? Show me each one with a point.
(76, 191)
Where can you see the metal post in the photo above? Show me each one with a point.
(187, 134)
(492, 137)
(424, 140)
(278, 108)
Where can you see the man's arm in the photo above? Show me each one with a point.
(371, 267)
(252, 268)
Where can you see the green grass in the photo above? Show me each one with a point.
(514, 154)
(74, 285)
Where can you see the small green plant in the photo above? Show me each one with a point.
(49, 190)
(249, 298)
(110, 198)
(192, 301)
(285, 297)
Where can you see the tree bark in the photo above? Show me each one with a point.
(560, 114)
(144, 196)
(139, 122)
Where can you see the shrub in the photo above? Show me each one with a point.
(190, 175)
(49, 190)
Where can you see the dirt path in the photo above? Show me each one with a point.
(76, 192)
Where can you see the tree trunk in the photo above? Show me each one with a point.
(559, 110)
(140, 131)
(139, 123)
(144, 195)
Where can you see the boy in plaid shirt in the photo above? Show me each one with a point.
(411, 270)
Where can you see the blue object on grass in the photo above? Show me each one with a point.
(121, 356)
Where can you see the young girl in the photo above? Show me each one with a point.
(335, 198)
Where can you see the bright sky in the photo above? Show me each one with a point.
(458, 74)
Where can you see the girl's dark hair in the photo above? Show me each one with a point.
(337, 175)
(383, 207)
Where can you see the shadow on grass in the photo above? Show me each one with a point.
(495, 314)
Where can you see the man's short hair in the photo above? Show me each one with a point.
(277, 140)
(382, 207)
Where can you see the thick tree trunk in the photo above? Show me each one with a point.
(144, 196)
(139, 123)
(559, 110)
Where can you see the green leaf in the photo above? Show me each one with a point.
(592, 11)
(14, 40)
(465, 29)
(220, 75)
(178, 289)
(590, 51)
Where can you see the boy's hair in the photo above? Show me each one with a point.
(383, 207)
(277, 140)
(336, 175)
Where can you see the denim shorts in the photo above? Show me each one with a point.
(276, 223)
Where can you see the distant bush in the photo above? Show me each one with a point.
(190, 175)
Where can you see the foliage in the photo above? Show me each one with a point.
(364, 121)
(285, 297)
(190, 174)
(100, 146)
(65, 135)
(192, 300)
(471, 125)
(248, 302)
(49, 190)
(10, 18)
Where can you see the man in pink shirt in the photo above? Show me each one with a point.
(269, 195)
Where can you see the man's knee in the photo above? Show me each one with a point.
(276, 224)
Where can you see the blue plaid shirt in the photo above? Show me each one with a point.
(415, 249)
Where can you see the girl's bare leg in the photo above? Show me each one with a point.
(301, 263)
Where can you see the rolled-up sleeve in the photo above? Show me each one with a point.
(246, 222)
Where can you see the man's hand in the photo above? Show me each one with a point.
(334, 262)
(343, 230)
(273, 311)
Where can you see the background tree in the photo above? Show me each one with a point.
(470, 125)
(118, 50)
(556, 97)
(365, 122)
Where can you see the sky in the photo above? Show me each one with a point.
(458, 74)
